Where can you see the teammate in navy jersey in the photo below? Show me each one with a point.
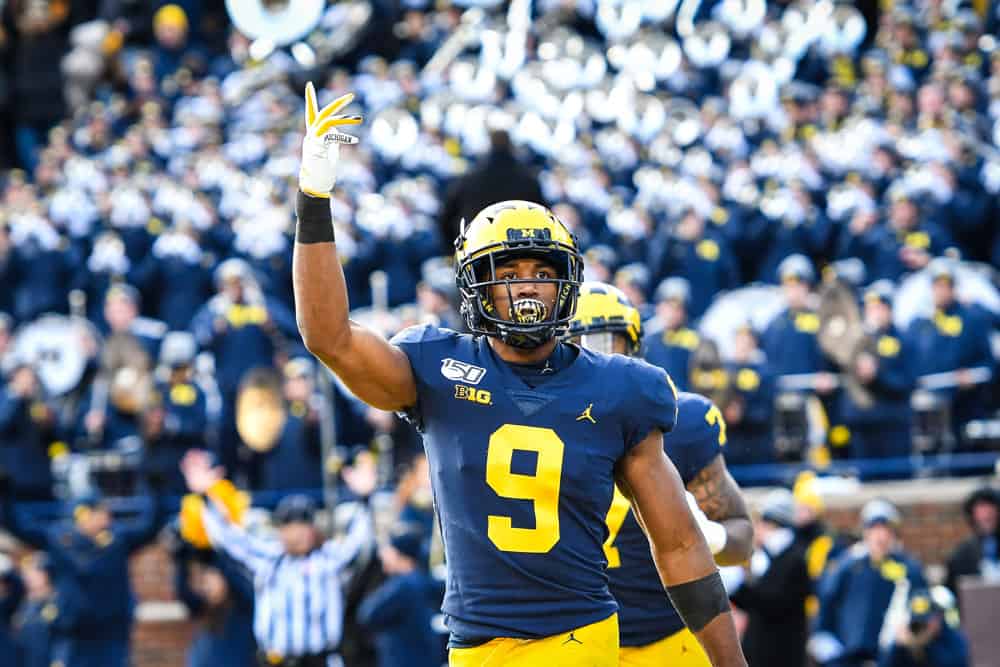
(525, 436)
(652, 633)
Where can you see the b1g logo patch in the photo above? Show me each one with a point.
(459, 371)
(473, 395)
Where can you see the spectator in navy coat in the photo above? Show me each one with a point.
(399, 612)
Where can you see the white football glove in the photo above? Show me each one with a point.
(714, 532)
(321, 145)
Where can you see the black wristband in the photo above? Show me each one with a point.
(314, 222)
(699, 601)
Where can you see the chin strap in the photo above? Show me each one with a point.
(525, 341)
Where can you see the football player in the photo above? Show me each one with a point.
(525, 436)
(651, 631)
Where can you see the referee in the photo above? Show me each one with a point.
(298, 600)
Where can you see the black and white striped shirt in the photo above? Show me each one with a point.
(298, 600)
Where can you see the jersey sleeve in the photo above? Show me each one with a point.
(700, 435)
(416, 342)
(650, 401)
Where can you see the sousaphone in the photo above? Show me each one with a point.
(842, 336)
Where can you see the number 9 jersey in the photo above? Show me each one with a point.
(523, 478)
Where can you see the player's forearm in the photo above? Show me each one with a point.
(321, 305)
(721, 642)
(703, 605)
(687, 560)
(739, 542)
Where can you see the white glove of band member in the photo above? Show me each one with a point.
(714, 532)
(321, 145)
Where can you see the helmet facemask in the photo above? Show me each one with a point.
(529, 322)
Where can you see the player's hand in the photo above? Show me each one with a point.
(321, 145)
(714, 532)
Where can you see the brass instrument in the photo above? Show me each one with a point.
(842, 337)
(313, 33)
(57, 347)
(260, 409)
(128, 371)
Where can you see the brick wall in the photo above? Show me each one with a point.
(932, 525)
(160, 643)
(930, 530)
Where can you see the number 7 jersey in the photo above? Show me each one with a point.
(523, 478)
(646, 615)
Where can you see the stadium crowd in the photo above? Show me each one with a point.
(145, 257)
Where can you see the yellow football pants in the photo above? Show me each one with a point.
(680, 649)
(594, 645)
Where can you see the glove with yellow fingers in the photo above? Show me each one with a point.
(321, 145)
(714, 532)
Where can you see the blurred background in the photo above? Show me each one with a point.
(801, 198)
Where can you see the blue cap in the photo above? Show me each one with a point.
(601, 254)
(90, 500)
(408, 539)
(674, 288)
(233, 268)
(942, 267)
(881, 290)
(635, 274)
(122, 290)
(796, 267)
(880, 511)
(779, 508)
(922, 606)
(178, 349)
(851, 270)
(438, 275)
(296, 508)
(299, 367)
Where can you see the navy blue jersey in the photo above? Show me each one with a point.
(645, 614)
(523, 478)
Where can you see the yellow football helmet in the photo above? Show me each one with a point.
(512, 230)
(603, 308)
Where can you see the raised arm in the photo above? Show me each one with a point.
(145, 527)
(720, 499)
(361, 480)
(255, 553)
(30, 531)
(682, 557)
(376, 371)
